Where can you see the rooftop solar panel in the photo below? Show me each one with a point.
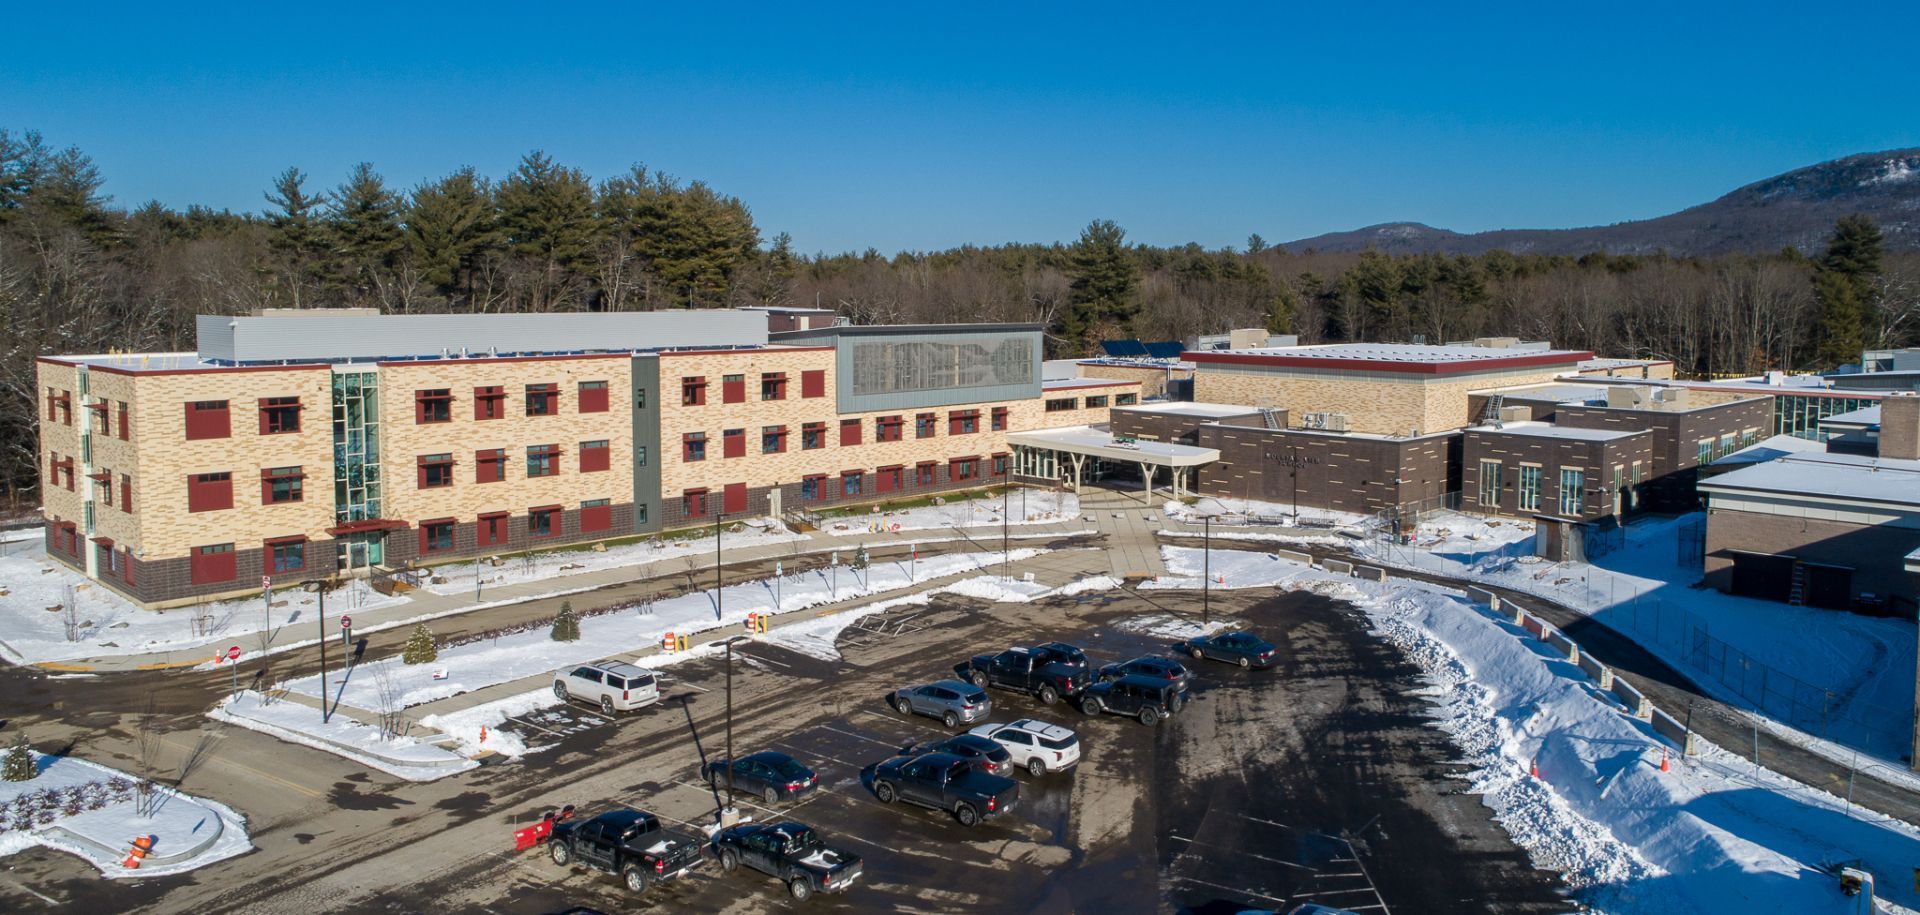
(1169, 349)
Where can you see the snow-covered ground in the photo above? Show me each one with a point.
(1260, 514)
(108, 624)
(742, 535)
(1712, 835)
(90, 810)
(1233, 569)
(342, 735)
(1030, 506)
(480, 664)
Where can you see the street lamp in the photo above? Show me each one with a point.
(729, 646)
(1206, 570)
(320, 588)
(719, 592)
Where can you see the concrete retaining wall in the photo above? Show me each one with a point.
(1370, 573)
(1667, 726)
(1535, 625)
(1562, 644)
(1292, 556)
(1637, 704)
(1600, 673)
(1483, 597)
(1336, 566)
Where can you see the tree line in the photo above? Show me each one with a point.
(80, 275)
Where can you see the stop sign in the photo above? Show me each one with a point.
(346, 622)
(233, 654)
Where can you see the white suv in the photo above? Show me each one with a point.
(1037, 745)
(614, 686)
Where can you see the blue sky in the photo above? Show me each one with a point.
(909, 127)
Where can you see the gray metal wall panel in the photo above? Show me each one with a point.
(646, 434)
(322, 337)
(982, 357)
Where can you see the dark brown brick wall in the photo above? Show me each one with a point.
(404, 546)
(1593, 458)
(1876, 553)
(1670, 482)
(1178, 428)
(1337, 472)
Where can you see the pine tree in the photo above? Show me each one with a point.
(566, 626)
(18, 766)
(547, 216)
(299, 237)
(451, 223)
(420, 647)
(1844, 287)
(364, 228)
(1104, 294)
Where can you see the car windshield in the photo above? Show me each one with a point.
(1058, 743)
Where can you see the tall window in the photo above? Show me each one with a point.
(207, 419)
(1703, 451)
(693, 447)
(490, 402)
(279, 415)
(850, 483)
(1572, 481)
(281, 485)
(491, 529)
(543, 522)
(773, 386)
(287, 555)
(490, 466)
(543, 460)
(924, 425)
(693, 503)
(543, 399)
(594, 456)
(593, 397)
(999, 419)
(1529, 488)
(436, 471)
(433, 405)
(887, 429)
(693, 390)
(773, 439)
(1490, 483)
(124, 426)
(436, 536)
(813, 435)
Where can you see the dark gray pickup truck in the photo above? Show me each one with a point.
(628, 842)
(945, 782)
(1046, 672)
(789, 852)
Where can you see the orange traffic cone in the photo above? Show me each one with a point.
(1665, 766)
(141, 845)
(1533, 768)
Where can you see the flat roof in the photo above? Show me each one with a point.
(1863, 418)
(1407, 358)
(1825, 475)
(1770, 449)
(1054, 384)
(1101, 443)
(1605, 362)
(1188, 408)
(1555, 391)
(324, 335)
(1140, 363)
(1532, 429)
(866, 330)
(1798, 385)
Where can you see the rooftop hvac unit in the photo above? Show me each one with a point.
(1626, 395)
(1496, 342)
(1325, 422)
(1675, 396)
(1515, 414)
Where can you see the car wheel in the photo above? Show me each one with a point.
(1091, 706)
(801, 889)
(1195, 651)
(966, 815)
(950, 719)
(769, 795)
(635, 877)
(1244, 663)
(606, 706)
(729, 860)
(884, 792)
(1036, 767)
(902, 706)
(1149, 717)
(1048, 695)
(560, 691)
(561, 853)
(978, 679)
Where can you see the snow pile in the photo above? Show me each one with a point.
(92, 811)
(1713, 835)
(1090, 583)
(526, 654)
(1173, 628)
(1258, 513)
(1032, 506)
(466, 725)
(559, 563)
(1234, 569)
(342, 735)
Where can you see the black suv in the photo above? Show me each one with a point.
(1148, 699)
(1153, 667)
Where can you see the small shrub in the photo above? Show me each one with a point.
(420, 647)
(19, 766)
(566, 626)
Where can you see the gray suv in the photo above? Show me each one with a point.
(954, 702)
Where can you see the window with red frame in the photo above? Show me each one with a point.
(435, 471)
(105, 479)
(773, 385)
(693, 390)
(490, 402)
(286, 554)
(813, 383)
(490, 466)
(813, 488)
(214, 564)
(594, 456)
(813, 435)
(282, 485)
(693, 503)
(999, 419)
(964, 468)
(432, 405)
(850, 482)
(60, 404)
(693, 447)
(543, 460)
(543, 522)
(925, 473)
(593, 397)
(849, 432)
(733, 388)
(207, 419)
(887, 428)
(887, 479)
(773, 439)
(125, 427)
(279, 415)
(126, 493)
(999, 465)
(733, 443)
(926, 425)
(207, 492)
(543, 399)
(963, 422)
(596, 515)
(492, 529)
(436, 536)
(100, 419)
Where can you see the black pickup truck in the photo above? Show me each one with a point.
(945, 782)
(789, 852)
(1047, 672)
(628, 842)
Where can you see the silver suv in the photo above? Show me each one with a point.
(954, 702)
(615, 686)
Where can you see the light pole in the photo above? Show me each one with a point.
(729, 646)
(719, 592)
(320, 587)
(1206, 570)
(1006, 553)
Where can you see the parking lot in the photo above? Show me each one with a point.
(1317, 780)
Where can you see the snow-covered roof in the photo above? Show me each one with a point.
(1102, 444)
(1609, 363)
(1187, 408)
(1827, 476)
(1409, 358)
(1558, 392)
(1549, 430)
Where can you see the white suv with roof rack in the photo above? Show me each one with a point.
(614, 686)
(1038, 746)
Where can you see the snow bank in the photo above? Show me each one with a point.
(341, 735)
(189, 832)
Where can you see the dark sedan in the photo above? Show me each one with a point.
(1242, 648)
(1152, 667)
(773, 776)
(988, 755)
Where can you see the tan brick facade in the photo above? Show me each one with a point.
(1372, 403)
(1152, 378)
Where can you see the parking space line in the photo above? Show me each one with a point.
(904, 719)
(535, 726)
(1276, 823)
(764, 658)
(1232, 889)
(49, 900)
(857, 736)
(1237, 851)
(791, 748)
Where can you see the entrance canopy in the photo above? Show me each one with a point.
(1076, 444)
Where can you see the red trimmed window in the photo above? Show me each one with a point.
(887, 428)
(490, 402)
(999, 419)
(850, 481)
(963, 422)
(126, 493)
(490, 466)
(207, 419)
(693, 390)
(693, 447)
(436, 536)
(733, 388)
(492, 529)
(543, 399)
(281, 485)
(926, 425)
(887, 479)
(286, 554)
(208, 492)
(279, 415)
(125, 427)
(105, 479)
(999, 465)
(773, 385)
(814, 487)
(595, 515)
(593, 456)
(543, 522)
(435, 471)
(813, 435)
(963, 468)
(733, 443)
(432, 405)
(61, 403)
(213, 564)
(849, 432)
(773, 439)
(926, 473)
(100, 420)
(62, 470)
(813, 383)
(543, 460)
(593, 397)
(693, 503)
